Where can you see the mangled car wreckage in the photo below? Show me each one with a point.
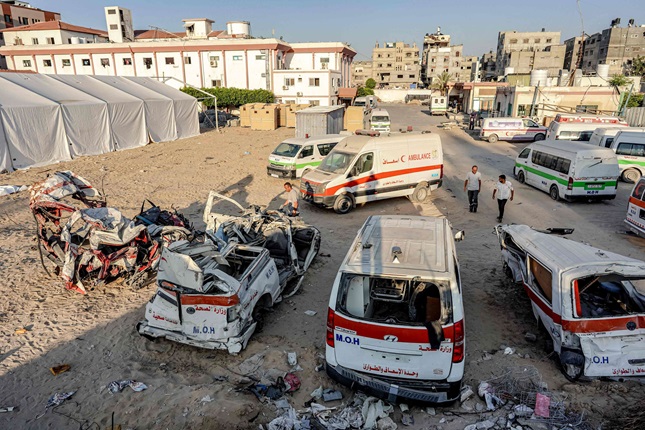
(211, 294)
(90, 243)
(592, 302)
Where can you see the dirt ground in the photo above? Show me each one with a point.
(95, 333)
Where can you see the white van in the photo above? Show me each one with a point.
(380, 120)
(368, 102)
(438, 105)
(580, 126)
(515, 129)
(395, 323)
(635, 218)
(297, 155)
(629, 146)
(574, 171)
(361, 169)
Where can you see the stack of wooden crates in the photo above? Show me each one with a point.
(261, 116)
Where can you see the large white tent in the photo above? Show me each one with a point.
(33, 127)
(85, 117)
(185, 106)
(5, 158)
(126, 112)
(160, 117)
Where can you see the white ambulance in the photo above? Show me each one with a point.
(395, 323)
(573, 171)
(635, 218)
(363, 168)
(580, 126)
(296, 155)
(380, 120)
(515, 129)
(629, 146)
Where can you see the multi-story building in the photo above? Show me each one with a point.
(573, 52)
(438, 56)
(487, 67)
(396, 65)
(361, 72)
(119, 24)
(615, 46)
(52, 33)
(14, 13)
(527, 51)
(470, 69)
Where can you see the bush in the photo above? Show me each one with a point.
(362, 92)
(370, 83)
(232, 97)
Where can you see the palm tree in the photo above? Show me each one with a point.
(440, 82)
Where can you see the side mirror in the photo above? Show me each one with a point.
(460, 235)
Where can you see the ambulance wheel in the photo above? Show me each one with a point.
(493, 138)
(343, 204)
(554, 193)
(631, 176)
(520, 177)
(572, 364)
(421, 193)
(539, 136)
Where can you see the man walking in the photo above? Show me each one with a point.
(473, 184)
(290, 206)
(504, 191)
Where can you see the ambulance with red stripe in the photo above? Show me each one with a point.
(371, 167)
(395, 323)
(580, 126)
(635, 219)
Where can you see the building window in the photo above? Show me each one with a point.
(50, 41)
(111, 11)
(549, 40)
(7, 18)
(67, 63)
(399, 76)
(216, 83)
(586, 108)
(512, 41)
(170, 60)
(86, 61)
(147, 62)
(105, 62)
(127, 61)
(25, 20)
(411, 76)
(69, 41)
(389, 65)
(538, 41)
(214, 61)
(26, 63)
(187, 60)
(261, 57)
(314, 82)
(314, 102)
(289, 82)
(114, 27)
(47, 63)
(237, 58)
(34, 41)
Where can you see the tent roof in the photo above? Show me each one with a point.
(96, 88)
(161, 88)
(52, 89)
(13, 95)
(131, 88)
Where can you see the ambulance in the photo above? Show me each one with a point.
(296, 155)
(635, 219)
(380, 120)
(629, 146)
(580, 126)
(514, 129)
(395, 323)
(369, 167)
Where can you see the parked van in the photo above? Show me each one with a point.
(515, 129)
(580, 126)
(591, 301)
(395, 323)
(380, 120)
(629, 147)
(635, 218)
(367, 101)
(438, 105)
(299, 154)
(361, 169)
(576, 170)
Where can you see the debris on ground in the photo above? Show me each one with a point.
(530, 337)
(8, 409)
(329, 395)
(292, 358)
(57, 370)
(509, 351)
(5, 190)
(310, 313)
(206, 399)
(466, 393)
(407, 419)
(118, 386)
(56, 400)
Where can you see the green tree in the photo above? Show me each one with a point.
(635, 100)
(370, 83)
(362, 92)
(232, 97)
(441, 82)
(619, 81)
(638, 66)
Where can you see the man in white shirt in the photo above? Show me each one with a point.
(504, 191)
(473, 184)
(290, 206)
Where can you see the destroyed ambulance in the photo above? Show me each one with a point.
(395, 324)
(591, 302)
(212, 294)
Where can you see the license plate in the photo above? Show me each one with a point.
(274, 175)
(595, 186)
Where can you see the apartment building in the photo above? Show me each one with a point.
(395, 65)
(361, 72)
(439, 56)
(573, 52)
(615, 46)
(119, 24)
(470, 69)
(487, 67)
(15, 13)
(523, 52)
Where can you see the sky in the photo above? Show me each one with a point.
(362, 23)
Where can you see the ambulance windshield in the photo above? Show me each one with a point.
(336, 162)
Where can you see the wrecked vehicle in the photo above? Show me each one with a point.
(90, 243)
(395, 323)
(211, 294)
(591, 302)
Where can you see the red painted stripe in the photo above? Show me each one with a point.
(331, 191)
(544, 306)
(210, 300)
(636, 202)
(379, 331)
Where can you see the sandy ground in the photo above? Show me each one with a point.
(95, 333)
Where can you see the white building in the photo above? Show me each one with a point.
(52, 33)
(119, 24)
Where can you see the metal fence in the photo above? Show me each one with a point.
(635, 116)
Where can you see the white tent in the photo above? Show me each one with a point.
(126, 112)
(5, 158)
(33, 127)
(186, 107)
(85, 117)
(160, 118)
